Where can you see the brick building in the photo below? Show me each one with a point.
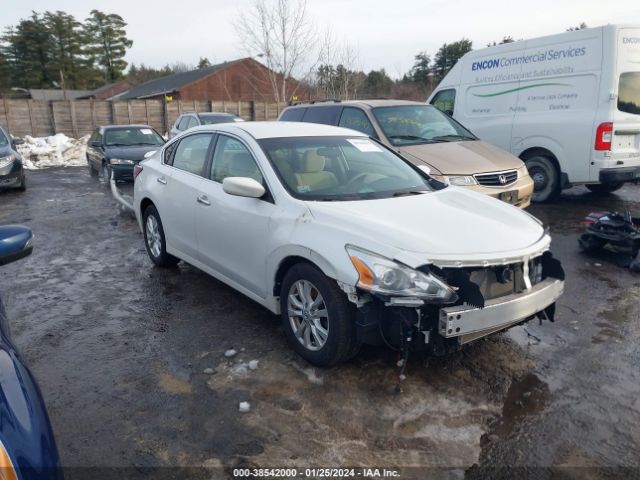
(240, 80)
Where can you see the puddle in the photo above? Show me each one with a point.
(611, 321)
(525, 398)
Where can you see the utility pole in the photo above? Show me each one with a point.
(64, 91)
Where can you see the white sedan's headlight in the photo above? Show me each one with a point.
(4, 161)
(384, 276)
(121, 161)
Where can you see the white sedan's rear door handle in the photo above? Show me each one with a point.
(204, 200)
(162, 180)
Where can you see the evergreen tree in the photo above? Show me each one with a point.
(378, 83)
(448, 55)
(142, 73)
(5, 73)
(27, 49)
(69, 63)
(421, 69)
(204, 63)
(107, 43)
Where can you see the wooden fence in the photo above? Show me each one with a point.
(80, 117)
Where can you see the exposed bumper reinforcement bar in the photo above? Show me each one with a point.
(470, 323)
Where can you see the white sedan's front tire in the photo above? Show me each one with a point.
(317, 317)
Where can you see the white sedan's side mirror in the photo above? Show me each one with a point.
(243, 187)
(150, 153)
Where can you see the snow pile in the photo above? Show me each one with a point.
(55, 151)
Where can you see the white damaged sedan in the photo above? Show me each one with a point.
(343, 238)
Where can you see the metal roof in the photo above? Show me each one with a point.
(170, 83)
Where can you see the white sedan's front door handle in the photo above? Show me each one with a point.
(204, 200)
(162, 180)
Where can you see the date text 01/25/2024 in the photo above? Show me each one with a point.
(285, 473)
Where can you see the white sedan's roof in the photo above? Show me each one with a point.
(260, 130)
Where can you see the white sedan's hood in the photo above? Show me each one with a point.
(453, 223)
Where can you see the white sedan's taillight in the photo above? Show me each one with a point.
(136, 171)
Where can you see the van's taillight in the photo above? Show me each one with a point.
(136, 171)
(603, 136)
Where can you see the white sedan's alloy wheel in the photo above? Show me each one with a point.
(153, 236)
(308, 315)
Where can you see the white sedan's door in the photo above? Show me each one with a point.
(181, 188)
(233, 231)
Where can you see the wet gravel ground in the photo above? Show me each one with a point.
(131, 363)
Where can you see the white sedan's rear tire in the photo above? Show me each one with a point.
(154, 239)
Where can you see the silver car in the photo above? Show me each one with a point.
(194, 119)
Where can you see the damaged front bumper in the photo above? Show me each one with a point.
(467, 323)
(489, 299)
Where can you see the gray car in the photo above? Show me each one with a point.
(193, 119)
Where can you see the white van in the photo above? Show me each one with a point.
(567, 104)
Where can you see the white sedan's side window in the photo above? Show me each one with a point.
(232, 159)
(191, 153)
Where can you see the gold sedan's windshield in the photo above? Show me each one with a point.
(341, 168)
(418, 124)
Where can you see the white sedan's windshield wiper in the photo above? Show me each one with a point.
(405, 193)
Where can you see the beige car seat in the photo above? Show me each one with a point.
(310, 174)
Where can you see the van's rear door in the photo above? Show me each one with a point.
(625, 145)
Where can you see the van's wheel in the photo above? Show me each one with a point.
(23, 184)
(154, 239)
(318, 319)
(92, 171)
(604, 188)
(545, 176)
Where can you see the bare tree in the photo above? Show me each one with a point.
(337, 75)
(279, 31)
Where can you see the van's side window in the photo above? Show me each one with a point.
(325, 115)
(356, 119)
(293, 115)
(444, 101)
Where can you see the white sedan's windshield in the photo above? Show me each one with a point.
(341, 168)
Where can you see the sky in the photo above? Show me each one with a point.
(385, 34)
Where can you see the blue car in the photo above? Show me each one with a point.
(27, 447)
